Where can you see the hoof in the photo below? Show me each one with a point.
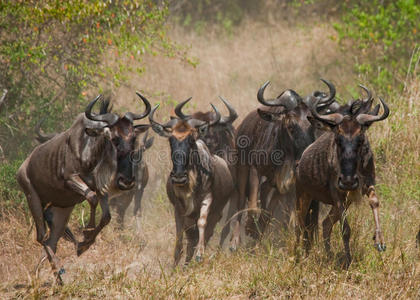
(233, 248)
(88, 233)
(83, 246)
(380, 247)
(198, 258)
(61, 271)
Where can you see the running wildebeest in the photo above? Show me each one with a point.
(269, 142)
(337, 169)
(120, 202)
(90, 160)
(220, 139)
(199, 184)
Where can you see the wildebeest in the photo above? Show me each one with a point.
(120, 202)
(90, 160)
(220, 139)
(269, 142)
(337, 169)
(199, 184)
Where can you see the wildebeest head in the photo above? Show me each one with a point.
(122, 134)
(349, 125)
(219, 137)
(183, 133)
(293, 116)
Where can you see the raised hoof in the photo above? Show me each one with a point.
(88, 233)
(380, 247)
(83, 246)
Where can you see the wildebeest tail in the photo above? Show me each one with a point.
(311, 221)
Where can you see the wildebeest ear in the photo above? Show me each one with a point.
(317, 124)
(267, 116)
(159, 129)
(93, 131)
(202, 130)
(149, 143)
(138, 129)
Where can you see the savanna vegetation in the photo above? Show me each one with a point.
(56, 56)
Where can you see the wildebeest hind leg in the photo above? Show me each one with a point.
(60, 217)
(34, 203)
(302, 207)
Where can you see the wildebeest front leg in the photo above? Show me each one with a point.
(179, 222)
(374, 204)
(105, 219)
(327, 225)
(251, 224)
(201, 224)
(79, 186)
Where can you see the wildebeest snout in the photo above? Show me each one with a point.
(348, 183)
(179, 177)
(125, 183)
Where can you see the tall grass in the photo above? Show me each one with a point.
(137, 263)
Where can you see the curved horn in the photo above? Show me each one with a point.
(152, 112)
(108, 118)
(132, 116)
(332, 119)
(327, 100)
(368, 93)
(218, 116)
(178, 110)
(367, 102)
(375, 110)
(232, 113)
(288, 99)
(367, 119)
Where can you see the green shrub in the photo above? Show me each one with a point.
(386, 35)
(51, 57)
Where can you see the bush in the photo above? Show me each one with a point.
(51, 55)
(387, 35)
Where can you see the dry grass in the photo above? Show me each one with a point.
(137, 264)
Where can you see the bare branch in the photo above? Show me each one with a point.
(3, 97)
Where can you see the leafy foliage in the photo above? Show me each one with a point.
(52, 52)
(388, 35)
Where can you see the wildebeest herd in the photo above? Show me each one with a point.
(294, 151)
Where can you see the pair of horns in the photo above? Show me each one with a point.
(221, 120)
(364, 117)
(289, 99)
(111, 118)
(184, 117)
